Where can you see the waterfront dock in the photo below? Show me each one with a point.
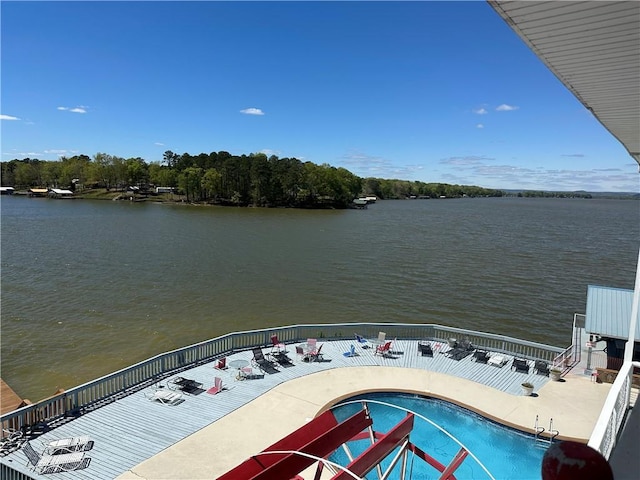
(206, 435)
(9, 400)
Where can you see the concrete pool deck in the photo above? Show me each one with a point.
(574, 404)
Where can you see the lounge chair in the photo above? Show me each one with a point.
(282, 359)
(316, 356)
(186, 385)
(64, 462)
(462, 350)
(221, 364)
(351, 352)
(481, 356)
(382, 337)
(383, 349)
(541, 367)
(165, 396)
(497, 360)
(459, 353)
(311, 344)
(364, 343)
(520, 365)
(425, 349)
(262, 363)
(68, 445)
(11, 441)
(393, 351)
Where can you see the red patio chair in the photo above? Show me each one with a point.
(217, 386)
(383, 349)
(277, 345)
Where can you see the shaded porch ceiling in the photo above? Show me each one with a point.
(594, 50)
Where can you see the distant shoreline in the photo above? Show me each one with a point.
(178, 199)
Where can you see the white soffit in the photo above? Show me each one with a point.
(593, 47)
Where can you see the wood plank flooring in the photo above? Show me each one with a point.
(133, 428)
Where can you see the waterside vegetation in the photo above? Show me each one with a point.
(219, 178)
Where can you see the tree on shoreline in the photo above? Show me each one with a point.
(222, 178)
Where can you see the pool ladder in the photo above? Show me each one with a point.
(539, 430)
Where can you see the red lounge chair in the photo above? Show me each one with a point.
(315, 356)
(383, 349)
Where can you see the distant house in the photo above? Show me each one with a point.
(60, 193)
(6, 190)
(165, 189)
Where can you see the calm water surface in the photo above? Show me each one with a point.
(89, 287)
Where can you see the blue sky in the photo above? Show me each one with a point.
(428, 91)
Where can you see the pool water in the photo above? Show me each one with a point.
(506, 453)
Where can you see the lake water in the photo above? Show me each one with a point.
(89, 287)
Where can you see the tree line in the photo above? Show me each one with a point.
(221, 178)
(399, 189)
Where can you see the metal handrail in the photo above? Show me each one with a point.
(613, 413)
(88, 396)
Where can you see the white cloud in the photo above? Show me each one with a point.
(8, 117)
(252, 111)
(468, 160)
(57, 152)
(27, 154)
(481, 170)
(506, 108)
(365, 165)
(479, 125)
(480, 111)
(159, 144)
(78, 109)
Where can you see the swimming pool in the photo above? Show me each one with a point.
(505, 452)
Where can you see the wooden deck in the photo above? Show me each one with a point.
(132, 428)
(9, 400)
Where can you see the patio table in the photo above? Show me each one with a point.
(239, 364)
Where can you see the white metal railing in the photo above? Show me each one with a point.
(613, 414)
(59, 408)
(616, 406)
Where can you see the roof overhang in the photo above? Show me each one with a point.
(593, 48)
(608, 312)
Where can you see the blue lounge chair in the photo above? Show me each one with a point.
(364, 343)
(351, 352)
